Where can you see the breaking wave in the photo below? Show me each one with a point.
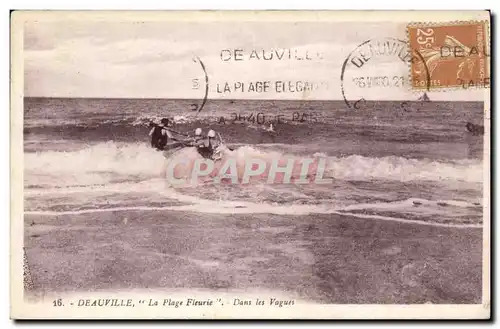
(114, 162)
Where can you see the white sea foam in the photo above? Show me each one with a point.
(106, 163)
(113, 169)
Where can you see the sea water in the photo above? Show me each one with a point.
(418, 165)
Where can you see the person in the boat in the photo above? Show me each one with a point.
(207, 146)
(160, 134)
(197, 139)
(197, 136)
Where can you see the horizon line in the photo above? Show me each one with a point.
(242, 99)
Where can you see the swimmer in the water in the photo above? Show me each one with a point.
(475, 129)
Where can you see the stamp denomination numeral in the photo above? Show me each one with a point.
(428, 40)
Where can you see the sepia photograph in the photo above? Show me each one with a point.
(250, 164)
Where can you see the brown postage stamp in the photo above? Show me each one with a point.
(449, 55)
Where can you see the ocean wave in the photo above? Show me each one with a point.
(102, 163)
(358, 167)
(111, 162)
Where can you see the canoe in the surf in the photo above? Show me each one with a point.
(172, 148)
(173, 145)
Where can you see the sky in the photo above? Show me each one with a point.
(154, 59)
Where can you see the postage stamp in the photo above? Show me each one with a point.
(250, 165)
(450, 55)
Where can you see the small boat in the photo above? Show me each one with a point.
(424, 98)
(217, 154)
(174, 145)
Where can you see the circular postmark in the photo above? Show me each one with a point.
(378, 69)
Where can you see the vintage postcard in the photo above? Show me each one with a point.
(250, 165)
